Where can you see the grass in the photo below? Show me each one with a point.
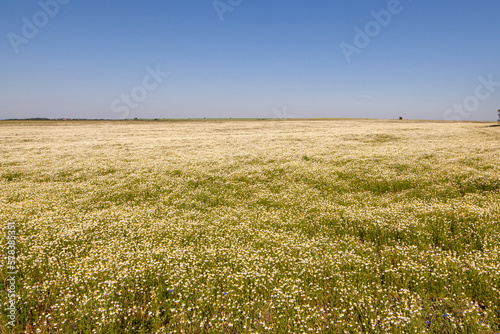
(316, 226)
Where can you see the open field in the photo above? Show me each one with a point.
(277, 226)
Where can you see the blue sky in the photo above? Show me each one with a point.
(421, 59)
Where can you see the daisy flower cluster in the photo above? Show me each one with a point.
(270, 226)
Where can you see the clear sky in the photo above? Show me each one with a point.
(418, 59)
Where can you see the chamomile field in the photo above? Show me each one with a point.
(270, 226)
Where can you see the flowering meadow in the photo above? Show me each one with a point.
(262, 226)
